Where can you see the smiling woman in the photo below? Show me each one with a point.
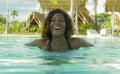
(57, 32)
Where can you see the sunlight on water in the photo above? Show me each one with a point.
(16, 58)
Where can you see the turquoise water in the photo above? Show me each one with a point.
(16, 58)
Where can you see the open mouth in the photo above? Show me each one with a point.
(57, 28)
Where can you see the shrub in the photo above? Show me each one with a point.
(82, 28)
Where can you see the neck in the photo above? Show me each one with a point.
(59, 43)
(59, 40)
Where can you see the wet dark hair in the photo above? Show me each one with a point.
(46, 33)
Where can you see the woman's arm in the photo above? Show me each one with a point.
(85, 43)
(79, 42)
(34, 43)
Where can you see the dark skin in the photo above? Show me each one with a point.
(59, 43)
(75, 43)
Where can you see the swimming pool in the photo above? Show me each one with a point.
(16, 58)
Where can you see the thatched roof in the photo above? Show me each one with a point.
(112, 3)
(35, 18)
(65, 5)
(85, 18)
(62, 4)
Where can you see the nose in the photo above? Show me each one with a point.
(57, 22)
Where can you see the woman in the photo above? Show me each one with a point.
(56, 33)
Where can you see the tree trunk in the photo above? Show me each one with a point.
(95, 13)
(71, 8)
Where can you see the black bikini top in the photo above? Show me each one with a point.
(49, 45)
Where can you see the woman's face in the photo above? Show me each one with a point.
(57, 25)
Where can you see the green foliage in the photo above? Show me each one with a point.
(14, 26)
(103, 17)
(107, 25)
(2, 28)
(39, 29)
(14, 13)
(17, 27)
(2, 23)
(2, 19)
(23, 28)
(32, 29)
(103, 20)
(35, 29)
(82, 28)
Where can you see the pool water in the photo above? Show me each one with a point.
(16, 58)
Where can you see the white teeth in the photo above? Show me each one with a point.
(57, 27)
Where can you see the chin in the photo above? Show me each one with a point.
(58, 35)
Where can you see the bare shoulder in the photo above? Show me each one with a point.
(80, 42)
(37, 42)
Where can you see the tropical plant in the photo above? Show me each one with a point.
(14, 13)
(103, 20)
(14, 26)
(2, 19)
(2, 28)
(82, 28)
(36, 29)
(32, 29)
